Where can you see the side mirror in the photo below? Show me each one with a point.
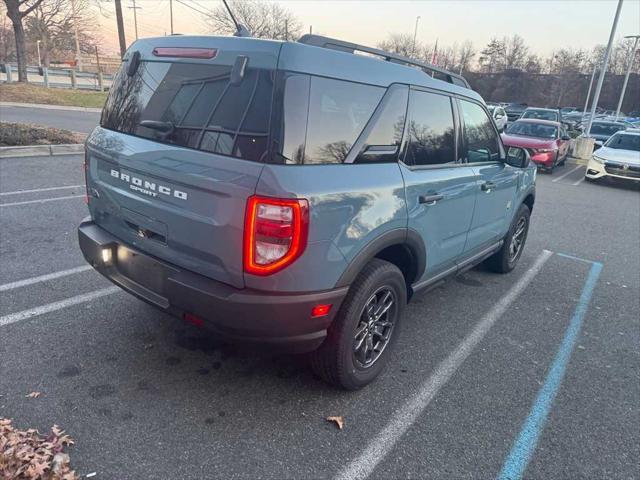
(518, 157)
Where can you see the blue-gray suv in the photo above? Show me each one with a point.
(297, 194)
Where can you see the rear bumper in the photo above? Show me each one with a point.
(281, 320)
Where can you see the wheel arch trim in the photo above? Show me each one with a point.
(400, 236)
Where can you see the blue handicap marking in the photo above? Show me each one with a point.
(524, 446)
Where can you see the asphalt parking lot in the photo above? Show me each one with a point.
(535, 373)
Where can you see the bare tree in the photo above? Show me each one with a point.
(401, 44)
(491, 56)
(466, 55)
(52, 24)
(16, 11)
(7, 41)
(515, 53)
(263, 19)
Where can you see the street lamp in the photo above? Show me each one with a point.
(603, 69)
(632, 57)
(38, 48)
(415, 33)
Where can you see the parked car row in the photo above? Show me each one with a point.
(619, 157)
(547, 141)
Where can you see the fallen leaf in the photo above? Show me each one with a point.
(33, 395)
(339, 421)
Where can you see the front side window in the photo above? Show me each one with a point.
(431, 130)
(193, 105)
(480, 138)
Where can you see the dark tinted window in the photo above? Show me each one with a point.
(431, 130)
(291, 118)
(338, 112)
(541, 115)
(481, 139)
(384, 138)
(199, 107)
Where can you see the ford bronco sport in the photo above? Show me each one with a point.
(296, 193)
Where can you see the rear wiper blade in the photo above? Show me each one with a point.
(163, 127)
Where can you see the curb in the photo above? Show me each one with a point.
(41, 150)
(51, 107)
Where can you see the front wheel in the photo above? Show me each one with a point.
(361, 337)
(506, 259)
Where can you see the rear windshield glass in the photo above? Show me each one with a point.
(540, 115)
(194, 106)
(532, 130)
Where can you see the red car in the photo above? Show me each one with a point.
(547, 141)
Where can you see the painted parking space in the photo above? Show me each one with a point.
(109, 366)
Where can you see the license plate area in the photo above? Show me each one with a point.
(141, 269)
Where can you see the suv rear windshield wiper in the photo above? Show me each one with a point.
(163, 127)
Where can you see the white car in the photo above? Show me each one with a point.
(619, 157)
(499, 116)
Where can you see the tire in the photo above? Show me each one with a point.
(335, 360)
(503, 261)
(564, 159)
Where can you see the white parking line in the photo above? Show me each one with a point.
(380, 445)
(578, 182)
(43, 278)
(52, 307)
(557, 179)
(44, 200)
(35, 190)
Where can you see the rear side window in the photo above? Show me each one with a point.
(195, 106)
(338, 112)
(431, 130)
(384, 137)
(481, 139)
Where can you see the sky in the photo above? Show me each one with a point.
(545, 25)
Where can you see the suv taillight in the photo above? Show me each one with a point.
(275, 233)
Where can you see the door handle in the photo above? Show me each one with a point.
(488, 186)
(430, 199)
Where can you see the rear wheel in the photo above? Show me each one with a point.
(506, 259)
(361, 337)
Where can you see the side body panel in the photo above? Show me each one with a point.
(444, 224)
(495, 205)
(350, 206)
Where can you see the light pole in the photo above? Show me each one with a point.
(632, 57)
(603, 69)
(415, 33)
(135, 17)
(38, 49)
(586, 102)
(171, 14)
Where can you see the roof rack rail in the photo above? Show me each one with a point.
(340, 45)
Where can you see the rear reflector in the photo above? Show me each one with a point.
(321, 310)
(185, 52)
(193, 320)
(275, 233)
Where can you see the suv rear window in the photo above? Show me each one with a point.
(197, 105)
(321, 118)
